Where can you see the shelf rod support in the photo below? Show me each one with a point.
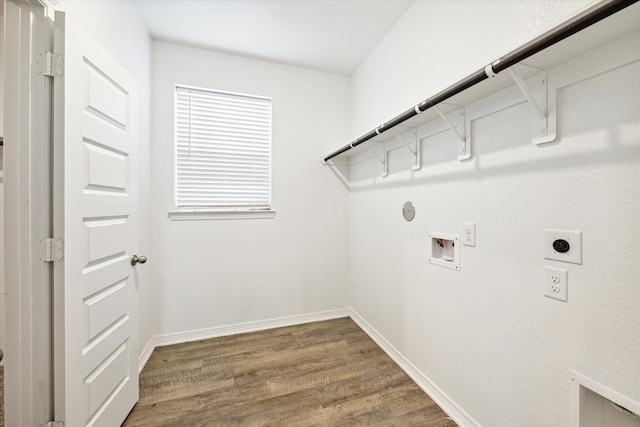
(527, 94)
(459, 128)
(383, 160)
(451, 126)
(406, 144)
(417, 164)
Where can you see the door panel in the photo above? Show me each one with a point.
(106, 168)
(98, 380)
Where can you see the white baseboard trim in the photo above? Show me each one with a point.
(146, 354)
(454, 411)
(240, 328)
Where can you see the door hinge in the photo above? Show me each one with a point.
(48, 249)
(53, 424)
(47, 64)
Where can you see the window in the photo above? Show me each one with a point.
(223, 151)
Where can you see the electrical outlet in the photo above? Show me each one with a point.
(468, 234)
(555, 283)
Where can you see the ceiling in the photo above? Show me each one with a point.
(326, 35)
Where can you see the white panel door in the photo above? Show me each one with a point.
(95, 122)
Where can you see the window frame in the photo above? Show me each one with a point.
(182, 213)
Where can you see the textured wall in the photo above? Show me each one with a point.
(437, 43)
(486, 335)
(224, 272)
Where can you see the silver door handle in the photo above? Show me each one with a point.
(135, 259)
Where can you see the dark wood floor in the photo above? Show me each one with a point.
(318, 374)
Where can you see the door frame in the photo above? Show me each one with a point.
(27, 215)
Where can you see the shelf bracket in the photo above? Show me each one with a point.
(383, 159)
(340, 168)
(458, 125)
(543, 104)
(537, 109)
(417, 163)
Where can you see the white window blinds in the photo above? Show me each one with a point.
(223, 150)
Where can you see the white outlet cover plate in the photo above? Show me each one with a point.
(555, 283)
(574, 255)
(468, 234)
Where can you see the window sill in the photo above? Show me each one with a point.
(217, 215)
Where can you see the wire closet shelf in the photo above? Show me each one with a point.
(584, 20)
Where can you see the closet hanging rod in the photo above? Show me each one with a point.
(576, 24)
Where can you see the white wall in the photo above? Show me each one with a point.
(486, 335)
(116, 26)
(438, 42)
(222, 272)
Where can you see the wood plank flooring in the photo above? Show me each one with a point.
(326, 373)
